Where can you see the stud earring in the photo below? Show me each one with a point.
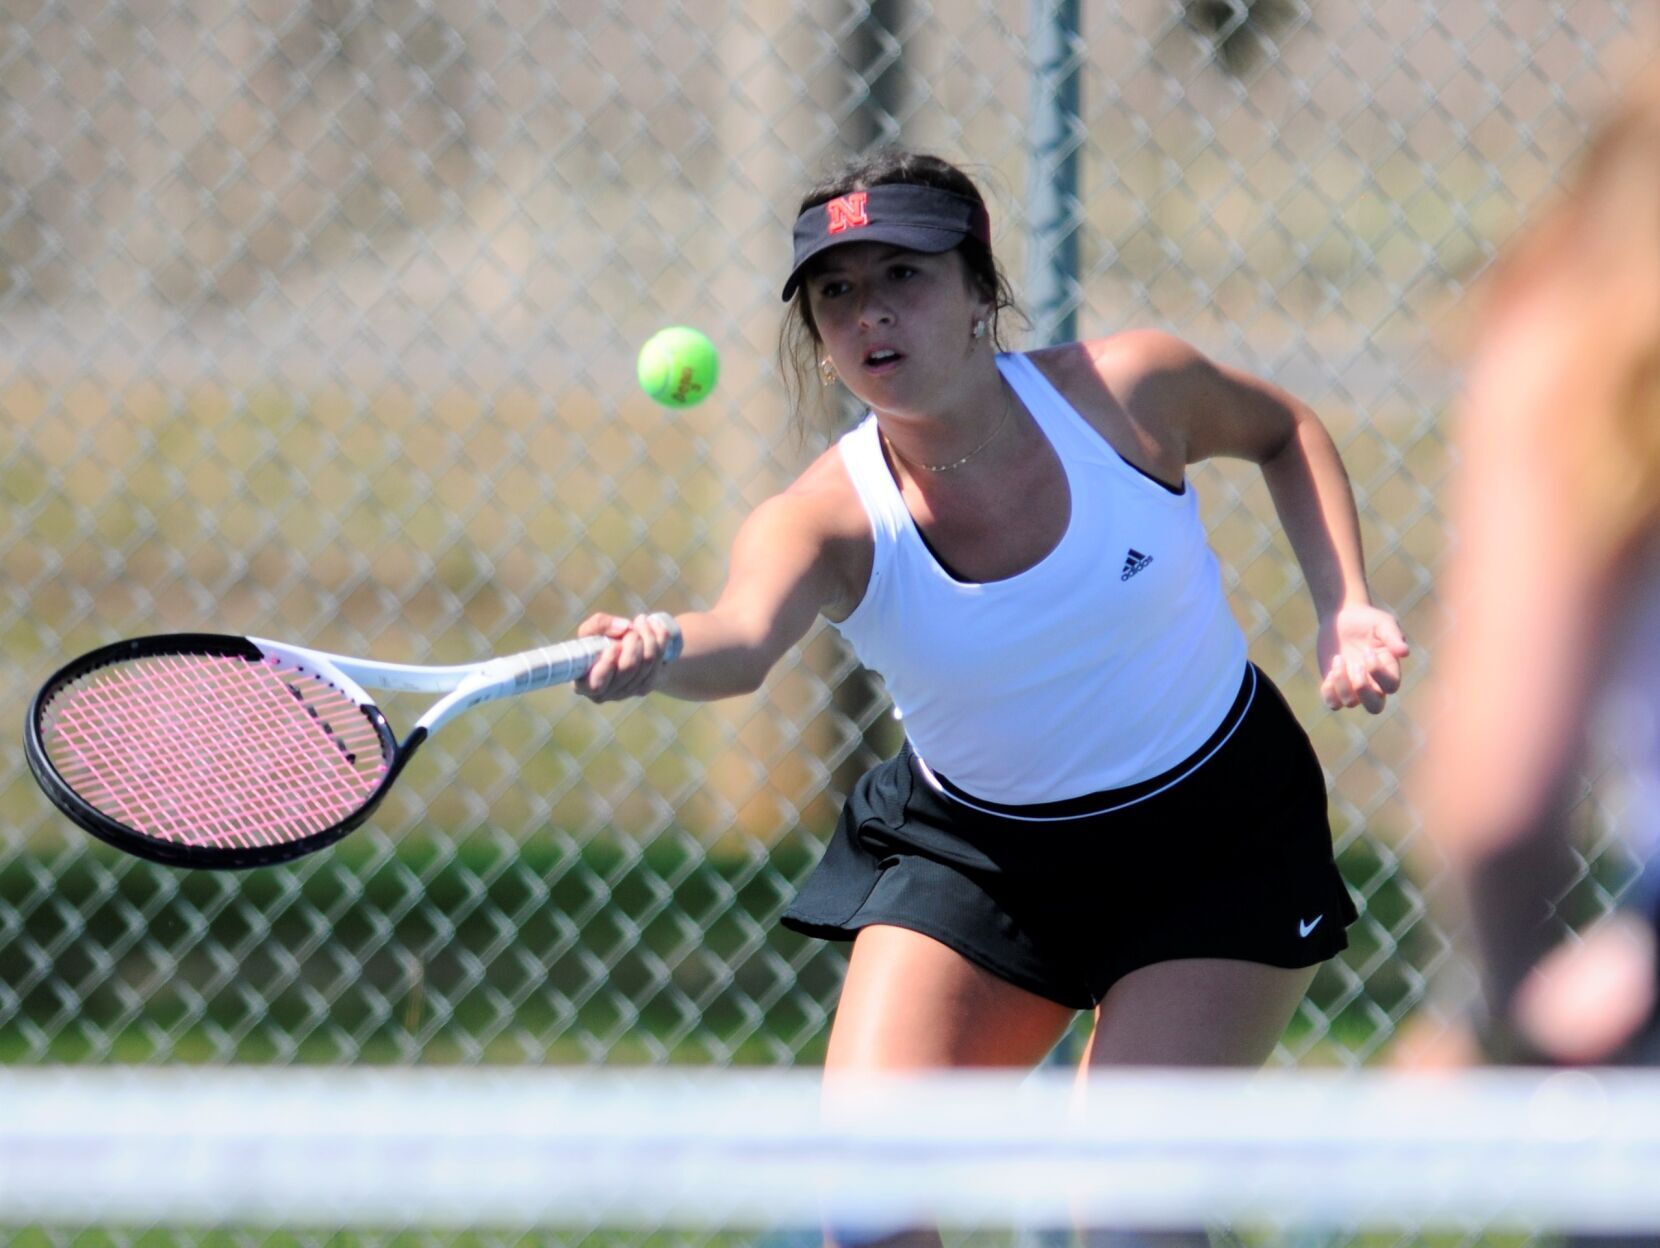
(827, 371)
(979, 329)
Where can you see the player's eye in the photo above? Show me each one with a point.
(831, 287)
(902, 272)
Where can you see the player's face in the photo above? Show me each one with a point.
(898, 325)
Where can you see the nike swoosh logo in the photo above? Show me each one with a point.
(1303, 929)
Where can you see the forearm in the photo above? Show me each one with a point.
(1511, 893)
(1316, 507)
(719, 658)
(775, 589)
(1358, 646)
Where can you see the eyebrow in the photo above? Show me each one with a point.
(889, 252)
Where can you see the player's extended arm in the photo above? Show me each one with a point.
(778, 579)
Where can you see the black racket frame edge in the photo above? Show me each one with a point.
(130, 840)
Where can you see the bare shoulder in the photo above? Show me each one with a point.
(821, 518)
(1134, 387)
(824, 497)
(1145, 365)
(1198, 406)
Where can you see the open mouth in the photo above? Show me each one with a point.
(882, 358)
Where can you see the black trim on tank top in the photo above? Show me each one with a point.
(1161, 483)
(940, 559)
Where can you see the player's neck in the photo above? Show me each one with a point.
(951, 440)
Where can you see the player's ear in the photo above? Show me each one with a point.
(980, 321)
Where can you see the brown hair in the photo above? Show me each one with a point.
(799, 342)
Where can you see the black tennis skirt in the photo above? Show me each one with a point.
(1226, 855)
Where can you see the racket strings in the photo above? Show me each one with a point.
(214, 750)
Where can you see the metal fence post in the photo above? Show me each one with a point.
(1052, 194)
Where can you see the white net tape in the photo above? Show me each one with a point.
(1511, 1150)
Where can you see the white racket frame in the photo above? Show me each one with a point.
(466, 684)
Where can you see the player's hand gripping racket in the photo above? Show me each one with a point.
(200, 750)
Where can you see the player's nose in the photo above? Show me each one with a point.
(874, 310)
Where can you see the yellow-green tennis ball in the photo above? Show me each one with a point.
(678, 366)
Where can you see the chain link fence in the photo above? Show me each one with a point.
(318, 322)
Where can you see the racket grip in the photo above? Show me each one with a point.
(570, 660)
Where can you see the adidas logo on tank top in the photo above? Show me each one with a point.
(1134, 562)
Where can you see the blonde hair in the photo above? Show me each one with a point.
(1593, 263)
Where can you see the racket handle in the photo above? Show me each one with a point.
(520, 673)
(570, 660)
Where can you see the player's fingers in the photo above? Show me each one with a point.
(1336, 690)
(1366, 690)
(628, 667)
(1392, 638)
(596, 625)
(634, 659)
(1371, 695)
(1354, 667)
(598, 680)
(1386, 670)
(653, 648)
(628, 656)
(651, 645)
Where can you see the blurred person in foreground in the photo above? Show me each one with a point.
(1553, 596)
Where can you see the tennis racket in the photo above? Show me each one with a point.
(202, 750)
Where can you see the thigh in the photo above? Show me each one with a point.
(1196, 1012)
(1191, 1012)
(912, 1003)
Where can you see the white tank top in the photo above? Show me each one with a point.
(1107, 663)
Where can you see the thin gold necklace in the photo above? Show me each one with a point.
(1008, 407)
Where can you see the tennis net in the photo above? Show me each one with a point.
(1509, 1152)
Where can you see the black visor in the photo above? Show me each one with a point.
(917, 218)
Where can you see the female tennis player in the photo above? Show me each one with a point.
(1100, 804)
(1555, 594)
